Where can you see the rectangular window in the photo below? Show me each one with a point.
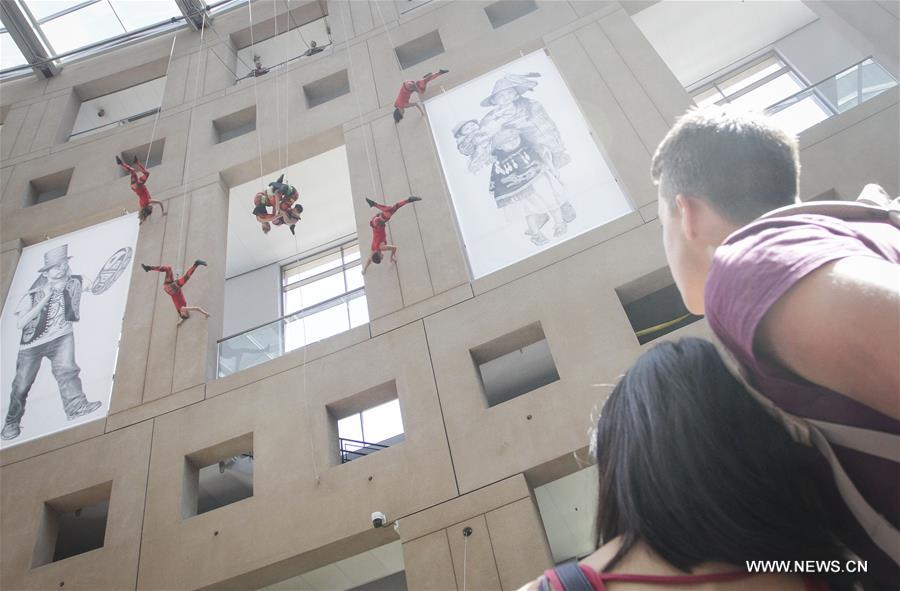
(762, 84)
(515, 364)
(218, 476)
(326, 89)
(654, 306)
(155, 152)
(420, 49)
(48, 187)
(72, 525)
(118, 108)
(234, 125)
(323, 296)
(367, 422)
(506, 11)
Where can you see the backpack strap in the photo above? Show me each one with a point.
(820, 434)
(570, 577)
(844, 210)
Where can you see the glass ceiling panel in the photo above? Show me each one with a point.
(82, 27)
(140, 13)
(10, 56)
(44, 8)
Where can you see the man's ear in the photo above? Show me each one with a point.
(689, 212)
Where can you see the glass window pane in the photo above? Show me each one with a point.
(354, 277)
(10, 56)
(350, 428)
(312, 268)
(321, 290)
(750, 75)
(140, 13)
(82, 27)
(351, 254)
(768, 94)
(326, 323)
(359, 311)
(43, 8)
(801, 115)
(382, 422)
(708, 97)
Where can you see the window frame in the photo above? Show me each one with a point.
(724, 75)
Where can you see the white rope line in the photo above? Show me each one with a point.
(277, 93)
(465, 558)
(358, 105)
(388, 33)
(256, 96)
(161, 98)
(182, 230)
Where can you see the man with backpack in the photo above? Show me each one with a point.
(806, 298)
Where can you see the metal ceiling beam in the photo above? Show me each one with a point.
(193, 12)
(23, 34)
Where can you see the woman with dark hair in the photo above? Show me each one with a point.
(696, 480)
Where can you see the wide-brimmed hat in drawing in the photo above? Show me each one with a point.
(55, 256)
(461, 124)
(506, 84)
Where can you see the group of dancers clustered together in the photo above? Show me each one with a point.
(276, 206)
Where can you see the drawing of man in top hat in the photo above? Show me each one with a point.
(45, 315)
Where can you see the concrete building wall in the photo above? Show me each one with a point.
(462, 463)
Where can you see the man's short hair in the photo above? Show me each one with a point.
(741, 163)
(376, 257)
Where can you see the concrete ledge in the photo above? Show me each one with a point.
(52, 442)
(838, 123)
(463, 507)
(155, 408)
(421, 309)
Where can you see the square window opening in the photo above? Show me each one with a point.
(155, 159)
(654, 306)
(515, 364)
(506, 11)
(47, 188)
(235, 125)
(366, 423)
(218, 476)
(420, 49)
(72, 525)
(326, 89)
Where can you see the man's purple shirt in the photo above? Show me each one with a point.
(756, 266)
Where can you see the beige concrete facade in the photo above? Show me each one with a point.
(462, 463)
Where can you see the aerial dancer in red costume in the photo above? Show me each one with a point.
(173, 287)
(138, 185)
(407, 88)
(379, 230)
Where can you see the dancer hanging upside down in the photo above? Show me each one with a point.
(379, 231)
(140, 188)
(406, 90)
(282, 200)
(173, 287)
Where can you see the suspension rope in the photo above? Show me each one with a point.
(161, 98)
(256, 97)
(388, 33)
(277, 94)
(182, 230)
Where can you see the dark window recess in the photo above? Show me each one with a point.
(235, 124)
(48, 187)
(654, 306)
(515, 364)
(217, 476)
(325, 89)
(156, 153)
(72, 525)
(420, 49)
(506, 11)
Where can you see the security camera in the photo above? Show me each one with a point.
(378, 519)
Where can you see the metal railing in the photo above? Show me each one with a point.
(837, 93)
(118, 123)
(359, 448)
(267, 341)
